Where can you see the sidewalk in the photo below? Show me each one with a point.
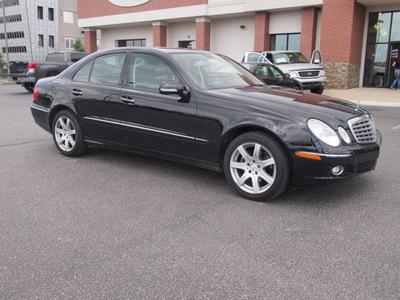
(368, 96)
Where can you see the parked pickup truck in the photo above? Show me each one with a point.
(55, 63)
(309, 75)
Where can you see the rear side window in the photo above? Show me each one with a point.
(84, 73)
(107, 69)
(59, 57)
(77, 56)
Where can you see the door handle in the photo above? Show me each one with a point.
(77, 92)
(127, 100)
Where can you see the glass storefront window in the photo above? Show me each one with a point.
(379, 27)
(375, 65)
(395, 35)
(283, 42)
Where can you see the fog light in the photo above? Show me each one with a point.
(336, 171)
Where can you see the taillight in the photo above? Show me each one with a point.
(32, 66)
(35, 93)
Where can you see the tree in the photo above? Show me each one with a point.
(2, 63)
(78, 46)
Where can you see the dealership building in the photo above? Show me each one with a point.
(358, 38)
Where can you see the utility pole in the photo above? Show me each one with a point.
(5, 37)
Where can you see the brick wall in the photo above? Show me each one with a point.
(203, 31)
(261, 32)
(97, 8)
(308, 31)
(159, 35)
(341, 41)
(90, 41)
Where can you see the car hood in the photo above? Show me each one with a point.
(299, 67)
(289, 104)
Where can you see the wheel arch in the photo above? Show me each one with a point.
(233, 133)
(56, 110)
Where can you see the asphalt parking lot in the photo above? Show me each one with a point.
(112, 225)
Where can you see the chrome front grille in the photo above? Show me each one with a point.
(309, 73)
(363, 129)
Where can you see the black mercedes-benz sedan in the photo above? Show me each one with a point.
(206, 110)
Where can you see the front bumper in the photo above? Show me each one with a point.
(359, 160)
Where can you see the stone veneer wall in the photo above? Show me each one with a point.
(342, 75)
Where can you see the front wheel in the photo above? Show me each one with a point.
(256, 166)
(319, 90)
(68, 135)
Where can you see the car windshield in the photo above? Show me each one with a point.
(289, 58)
(212, 71)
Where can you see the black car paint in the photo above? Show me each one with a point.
(198, 129)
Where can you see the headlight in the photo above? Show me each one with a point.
(324, 132)
(322, 73)
(293, 74)
(344, 135)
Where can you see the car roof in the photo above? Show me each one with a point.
(277, 52)
(154, 50)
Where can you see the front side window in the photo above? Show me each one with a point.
(148, 72)
(107, 69)
(211, 71)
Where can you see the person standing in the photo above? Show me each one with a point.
(396, 65)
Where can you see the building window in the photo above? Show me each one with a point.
(130, 43)
(13, 35)
(8, 3)
(69, 43)
(51, 41)
(287, 41)
(11, 19)
(68, 17)
(51, 14)
(41, 40)
(17, 49)
(40, 12)
(187, 44)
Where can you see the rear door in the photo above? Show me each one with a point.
(95, 91)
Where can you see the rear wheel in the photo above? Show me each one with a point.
(256, 166)
(29, 86)
(68, 135)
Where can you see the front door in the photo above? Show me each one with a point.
(152, 121)
(394, 54)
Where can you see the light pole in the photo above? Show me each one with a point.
(5, 37)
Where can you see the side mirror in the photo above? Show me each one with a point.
(173, 88)
(316, 61)
(286, 75)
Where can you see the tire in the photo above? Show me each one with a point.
(256, 166)
(319, 90)
(29, 86)
(68, 134)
